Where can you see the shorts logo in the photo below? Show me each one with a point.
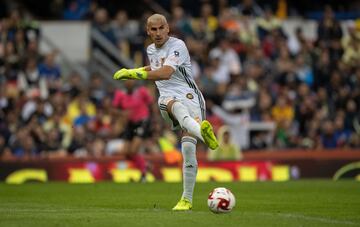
(189, 96)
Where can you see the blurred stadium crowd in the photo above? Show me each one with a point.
(248, 68)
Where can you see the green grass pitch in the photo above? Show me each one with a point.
(293, 203)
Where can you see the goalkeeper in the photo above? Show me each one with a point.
(181, 102)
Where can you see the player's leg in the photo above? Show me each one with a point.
(202, 130)
(181, 114)
(137, 157)
(191, 128)
(190, 167)
(126, 136)
(188, 149)
(140, 133)
(132, 146)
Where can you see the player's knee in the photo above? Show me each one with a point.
(170, 106)
(186, 133)
(180, 112)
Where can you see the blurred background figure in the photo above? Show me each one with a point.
(227, 150)
(135, 101)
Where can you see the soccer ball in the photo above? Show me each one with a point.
(221, 200)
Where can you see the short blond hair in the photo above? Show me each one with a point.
(156, 17)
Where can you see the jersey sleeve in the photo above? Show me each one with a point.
(177, 55)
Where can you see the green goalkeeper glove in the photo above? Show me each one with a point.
(125, 74)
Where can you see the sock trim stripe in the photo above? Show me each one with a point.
(189, 140)
(188, 137)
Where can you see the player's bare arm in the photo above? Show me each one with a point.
(163, 73)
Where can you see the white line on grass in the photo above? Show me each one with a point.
(309, 218)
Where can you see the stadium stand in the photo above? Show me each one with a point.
(253, 61)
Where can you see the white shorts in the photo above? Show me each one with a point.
(194, 103)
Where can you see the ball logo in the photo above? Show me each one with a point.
(223, 204)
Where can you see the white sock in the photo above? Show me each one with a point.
(188, 123)
(188, 149)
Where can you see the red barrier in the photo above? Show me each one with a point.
(265, 165)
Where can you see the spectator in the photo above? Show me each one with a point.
(83, 118)
(24, 146)
(56, 121)
(351, 46)
(124, 32)
(238, 125)
(51, 72)
(40, 109)
(80, 102)
(351, 115)
(227, 150)
(210, 21)
(218, 71)
(342, 134)
(228, 56)
(97, 89)
(180, 23)
(248, 34)
(303, 71)
(328, 137)
(78, 147)
(262, 107)
(76, 9)
(322, 69)
(329, 29)
(102, 24)
(208, 84)
(52, 147)
(268, 23)
(30, 81)
(354, 141)
(250, 7)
